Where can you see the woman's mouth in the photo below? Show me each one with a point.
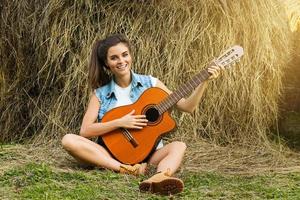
(121, 67)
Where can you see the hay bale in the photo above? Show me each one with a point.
(46, 45)
(293, 12)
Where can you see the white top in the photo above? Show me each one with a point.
(123, 98)
(122, 95)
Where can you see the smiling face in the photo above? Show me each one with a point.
(119, 60)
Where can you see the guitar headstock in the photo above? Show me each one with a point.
(230, 56)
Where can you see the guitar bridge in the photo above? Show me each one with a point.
(129, 137)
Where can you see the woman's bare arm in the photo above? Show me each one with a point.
(91, 128)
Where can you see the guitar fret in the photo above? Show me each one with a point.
(191, 86)
(163, 107)
(158, 108)
(198, 79)
(201, 77)
(173, 100)
(177, 96)
(185, 91)
(207, 74)
(194, 81)
(161, 111)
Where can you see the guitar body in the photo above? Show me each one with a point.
(145, 139)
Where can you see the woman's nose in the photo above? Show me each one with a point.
(121, 60)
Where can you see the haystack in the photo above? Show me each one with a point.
(45, 47)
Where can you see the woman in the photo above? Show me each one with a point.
(115, 84)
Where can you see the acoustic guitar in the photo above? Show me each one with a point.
(131, 146)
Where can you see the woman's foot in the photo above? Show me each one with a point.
(162, 183)
(136, 169)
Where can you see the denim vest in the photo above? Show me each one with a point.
(106, 93)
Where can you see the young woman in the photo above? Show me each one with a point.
(115, 84)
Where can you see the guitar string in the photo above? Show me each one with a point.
(183, 91)
(126, 134)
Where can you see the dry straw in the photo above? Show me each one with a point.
(45, 48)
(293, 13)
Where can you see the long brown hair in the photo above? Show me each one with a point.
(98, 71)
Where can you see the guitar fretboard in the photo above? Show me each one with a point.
(184, 90)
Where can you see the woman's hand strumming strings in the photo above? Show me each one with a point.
(132, 121)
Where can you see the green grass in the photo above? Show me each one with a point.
(24, 178)
(41, 181)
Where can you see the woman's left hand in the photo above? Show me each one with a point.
(215, 71)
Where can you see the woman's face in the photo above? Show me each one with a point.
(118, 59)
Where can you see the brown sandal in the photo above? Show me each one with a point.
(136, 169)
(162, 183)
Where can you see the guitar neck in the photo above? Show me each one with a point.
(184, 90)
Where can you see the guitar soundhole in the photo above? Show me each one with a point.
(152, 114)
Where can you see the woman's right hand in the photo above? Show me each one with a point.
(133, 121)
